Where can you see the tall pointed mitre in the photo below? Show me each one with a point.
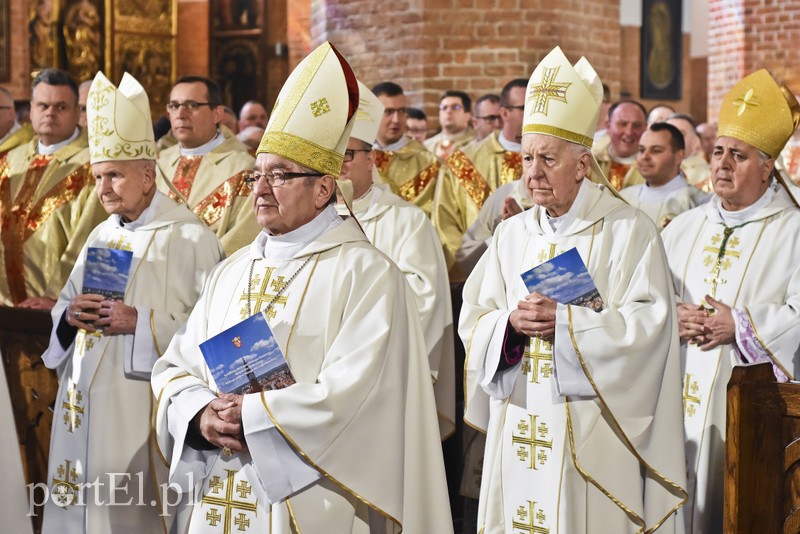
(118, 120)
(313, 115)
(563, 100)
(759, 112)
(368, 116)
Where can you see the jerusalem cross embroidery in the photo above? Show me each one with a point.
(65, 487)
(320, 107)
(530, 520)
(532, 449)
(223, 504)
(262, 295)
(691, 400)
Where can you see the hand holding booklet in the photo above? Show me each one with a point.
(246, 358)
(566, 280)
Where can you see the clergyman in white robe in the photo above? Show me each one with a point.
(583, 436)
(102, 428)
(662, 204)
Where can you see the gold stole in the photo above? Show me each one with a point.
(469, 177)
(211, 208)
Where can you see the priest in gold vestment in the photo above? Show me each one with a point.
(47, 198)
(12, 133)
(352, 446)
(470, 175)
(206, 169)
(581, 407)
(734, 265)
(616, 154)
(407, 167)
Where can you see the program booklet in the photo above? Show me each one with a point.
(246, 358)
(106, 272)
(566, 280)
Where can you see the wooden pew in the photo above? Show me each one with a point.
(762, 471)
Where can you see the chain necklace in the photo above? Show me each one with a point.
(278, 293)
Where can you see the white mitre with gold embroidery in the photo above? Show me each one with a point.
(562, 100)
(368, 116)
(313, 115)
(118, 120)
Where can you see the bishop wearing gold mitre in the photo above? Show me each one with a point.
(734, 265)
(581, 404)
(353, 446)
(47, 197)
(206, 168)
(470, 175)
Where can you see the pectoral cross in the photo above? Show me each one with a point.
(73, 408)
(262, 296)
(722, 260)
(531, 520)
(542, 351)
(690, 398)
(532, 448)
(65, 487)
(228, 505)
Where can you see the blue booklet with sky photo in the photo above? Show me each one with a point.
(246, 358)
(566, 280)
(106, 272)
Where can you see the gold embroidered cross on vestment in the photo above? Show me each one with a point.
(531, 519)
(548, 90)
(532, 448)
(691, 400)
(228, 504)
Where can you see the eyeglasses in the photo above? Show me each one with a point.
(275, 178)
(189, 105)
(388, 112)
(521, 108)
(489, 118)
(454, 107)
(350, 153)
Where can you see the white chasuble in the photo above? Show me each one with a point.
(584, 435)
(103, 472)
(353, 446)
(751, 265)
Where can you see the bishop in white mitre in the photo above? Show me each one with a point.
(665, 193)
(734, 265)
(103, 472)
(581, 407)
(403, 232)
(353, 445)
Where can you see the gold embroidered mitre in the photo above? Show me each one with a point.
(368, 116)
(118, 120)
(313, 115)
(563, 100)
(759, 112)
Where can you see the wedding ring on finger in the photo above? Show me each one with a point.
(78, 315)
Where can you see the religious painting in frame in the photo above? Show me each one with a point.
(5, 51)
(661, 49)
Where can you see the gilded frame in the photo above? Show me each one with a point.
(661, 49)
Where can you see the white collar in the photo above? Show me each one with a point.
(735, 218)
(508, 145)
(145, 217)
(46, 150)
(403, 141)
(651, 194)
(286, 246)
(205, 148)
(551, 225)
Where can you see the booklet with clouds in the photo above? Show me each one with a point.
(246, 358)
(566, 280)
(106, 272)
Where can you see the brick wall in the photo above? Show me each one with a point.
(746, 35)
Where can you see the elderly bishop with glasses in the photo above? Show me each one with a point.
(353, 445)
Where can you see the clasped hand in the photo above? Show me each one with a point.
(220, 422)
(707, 328)
(93, 312)
(535, 316)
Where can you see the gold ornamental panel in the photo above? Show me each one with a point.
(147, 16)
(149, 59)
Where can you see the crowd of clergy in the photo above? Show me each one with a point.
(389, 268)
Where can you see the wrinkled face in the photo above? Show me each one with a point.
(739, 173)
(514, 115)
(690, 137)
(393, 122)
(656, 161)
(625, 127)
(281, 209)
(487, 118)
(357, 166)
(123, 187)
(54, 112)
(7, 113)
(452, 115)
(253, 114)
(193, 128)
(552, 171)
(417, 129)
